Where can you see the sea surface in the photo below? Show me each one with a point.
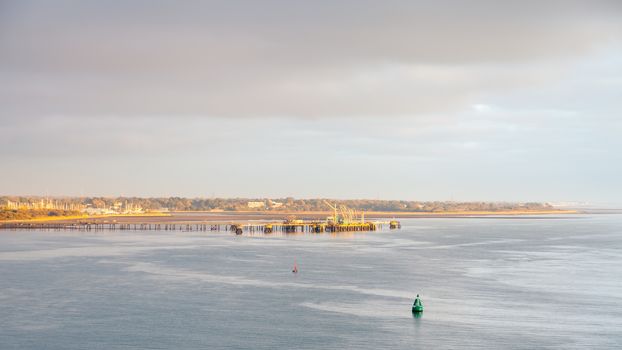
(493, 283)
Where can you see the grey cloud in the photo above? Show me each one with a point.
(484, 99)
(284, 58)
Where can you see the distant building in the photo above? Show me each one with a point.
(256, 204)
(99, 211)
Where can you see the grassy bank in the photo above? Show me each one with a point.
(42, 215)
(36, 214)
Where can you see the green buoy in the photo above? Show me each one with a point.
(417, 305)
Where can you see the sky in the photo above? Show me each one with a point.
(414, 100)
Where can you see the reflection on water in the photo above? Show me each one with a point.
(337, 235)
(188, 290)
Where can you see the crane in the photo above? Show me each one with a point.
(347, 214)
(334, 208)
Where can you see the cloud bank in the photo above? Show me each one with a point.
(283, 58)
(477, 100)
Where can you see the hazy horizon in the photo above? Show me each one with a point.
(612, 205)
(444, 100)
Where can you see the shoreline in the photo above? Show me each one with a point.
(75, 218)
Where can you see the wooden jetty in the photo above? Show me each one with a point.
(343, 220)
(296, 226)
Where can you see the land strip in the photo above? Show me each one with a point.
(249, 216)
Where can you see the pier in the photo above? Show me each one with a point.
(296, 226)
(343, 219)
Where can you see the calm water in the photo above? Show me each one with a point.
(485, 283)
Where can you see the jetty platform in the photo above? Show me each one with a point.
(235, 227)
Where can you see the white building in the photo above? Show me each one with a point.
(256, 204)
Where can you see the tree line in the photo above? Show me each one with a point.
(287, 204)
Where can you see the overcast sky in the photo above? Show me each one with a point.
(418, 100)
